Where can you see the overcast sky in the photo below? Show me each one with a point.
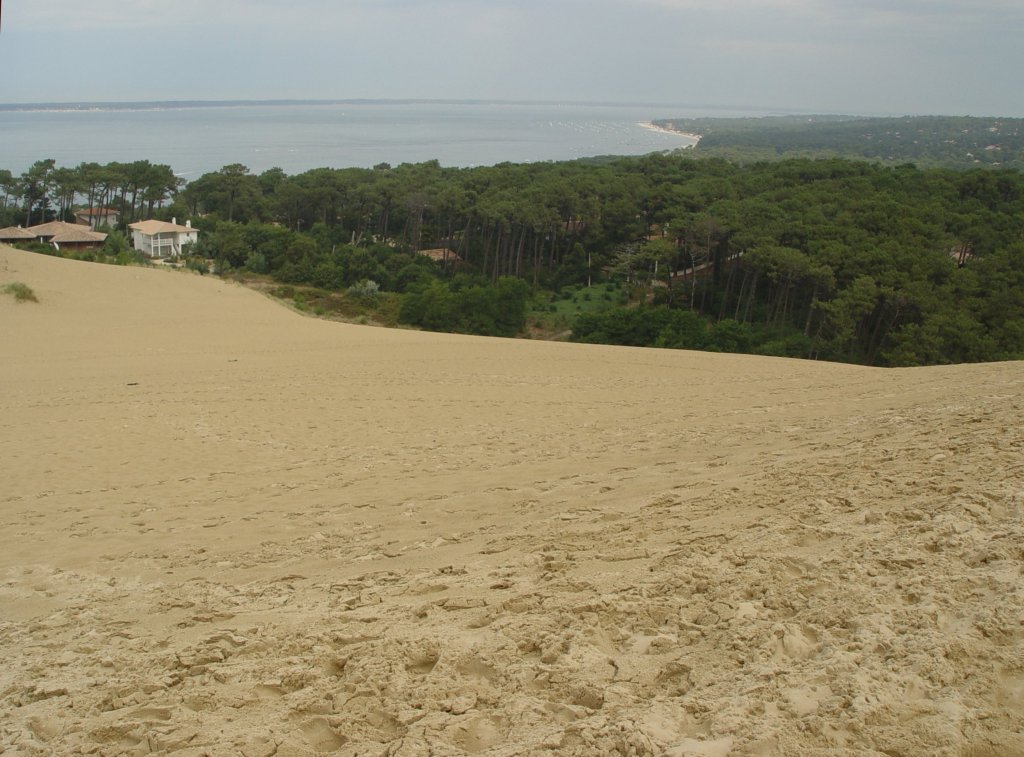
(840, 56)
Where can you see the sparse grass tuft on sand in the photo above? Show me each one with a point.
(21, 292)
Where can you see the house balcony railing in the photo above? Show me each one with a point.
(163, 248)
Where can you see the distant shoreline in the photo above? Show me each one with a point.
(662, 130)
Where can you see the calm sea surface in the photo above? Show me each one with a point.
(298, 137)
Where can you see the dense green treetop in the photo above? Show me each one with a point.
(829, 258)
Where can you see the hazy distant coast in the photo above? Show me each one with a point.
(675, 132)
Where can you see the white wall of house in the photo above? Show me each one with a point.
(164, 244)
(97, 219)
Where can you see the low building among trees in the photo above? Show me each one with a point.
(160, 239)
(15, 234)
(63, 236)
(96, 217)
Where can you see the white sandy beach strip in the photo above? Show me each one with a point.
(694, 138)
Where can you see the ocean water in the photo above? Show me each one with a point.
(300, 136)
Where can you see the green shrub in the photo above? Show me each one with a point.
(365, 289)
(468, 307)
(731, 336)
(128, 257)
(257, 262)
(116, 244)
(42, 248)
(20, 292)
(199, 265)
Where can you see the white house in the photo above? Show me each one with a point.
(159, 239)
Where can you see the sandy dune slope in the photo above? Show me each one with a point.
(229, 529)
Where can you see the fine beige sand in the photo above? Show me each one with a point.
(228, 529)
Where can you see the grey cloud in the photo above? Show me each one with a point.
(849, 55)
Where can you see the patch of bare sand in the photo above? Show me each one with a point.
(225, 528)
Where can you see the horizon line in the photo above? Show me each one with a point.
(766, 112)
(251, 102)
